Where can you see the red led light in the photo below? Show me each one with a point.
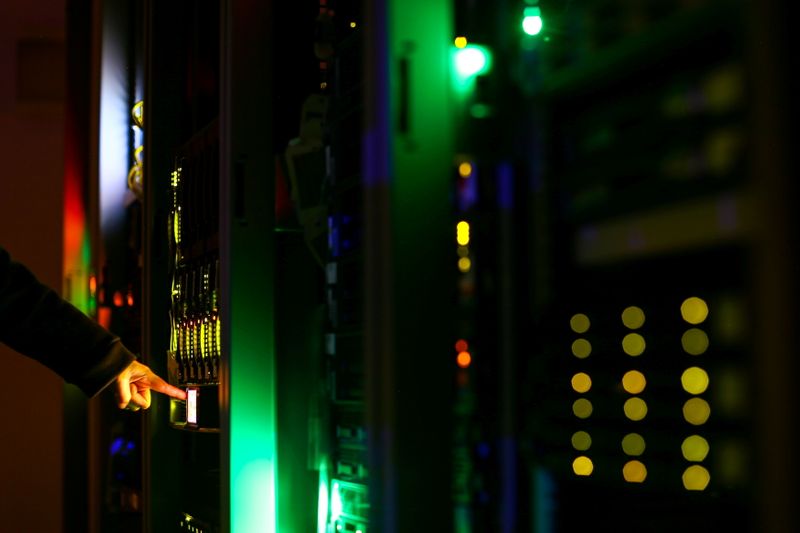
(118, 300)
(461, 345)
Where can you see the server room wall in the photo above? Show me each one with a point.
(31, 145)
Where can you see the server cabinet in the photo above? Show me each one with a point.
(440, 265)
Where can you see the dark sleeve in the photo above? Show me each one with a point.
(38, 323)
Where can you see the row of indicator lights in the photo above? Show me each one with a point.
(694, 380)
(462, 228)
(634, 382)
(582, 407)
(463, 357)
(696, 411)
(694, 448)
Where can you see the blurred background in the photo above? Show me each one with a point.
(421, 266)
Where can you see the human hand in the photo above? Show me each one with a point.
(134, 385)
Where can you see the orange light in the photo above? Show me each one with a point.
(93, 284)
(461, 345)
(118, 300)
(130, 299)
(464, 359)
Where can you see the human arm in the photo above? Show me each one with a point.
(38, 323)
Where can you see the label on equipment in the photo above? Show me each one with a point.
(191, 406)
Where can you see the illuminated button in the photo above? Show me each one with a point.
(633, 382)
(694, 310)
(582, 408)
(633, 344)
(694, 448)
(694, 341)
(581, 441)
(579, 323)
(633, 317)
(462, 233)
(635, 408)
(696, 411)
(582, 466)
(581, 348)
(694, 380)
(634, 472)
(696, 478)
(633, 444)
(465, 168)
(581, 382)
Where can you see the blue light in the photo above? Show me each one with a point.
(116, 445)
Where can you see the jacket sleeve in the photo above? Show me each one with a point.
(38, 323)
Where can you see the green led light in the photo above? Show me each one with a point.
(322, 498)
(532, 23)
(472, 60)
(336, 502)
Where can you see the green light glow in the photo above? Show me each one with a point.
(251, 383)
(472, 60)
(323, 499)
(532, 22)
(336, 502)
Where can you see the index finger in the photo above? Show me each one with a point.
(159, 385)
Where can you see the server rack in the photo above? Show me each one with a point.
(399, 380)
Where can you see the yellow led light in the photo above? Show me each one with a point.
(464, 264)
(633, 444)
(581, 441)
(581, 348)
(694, 310)
(696, 411)
(696, 478)
(581, 382)
(634, 472)
(461, 42)
(579, 323)
(463, 251)
(462, 233)
(694, 380)
(582, 466)
(635, 408)
(353, 24)
(582, 408)
(633, 317)
(633, 382)
(694, 448)
(633, 344)
(694, 341)
(465, 169)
